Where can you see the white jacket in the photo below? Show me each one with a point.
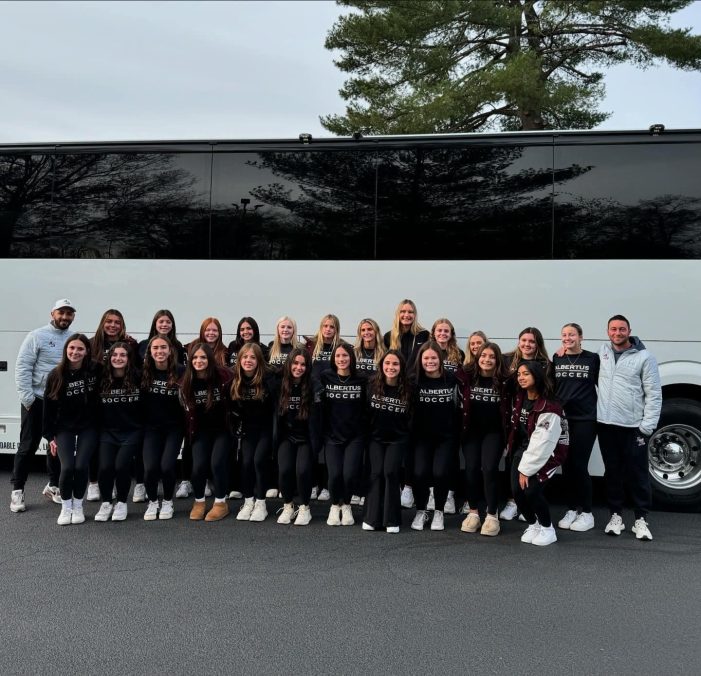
(629, 390)
(39, 353)
(543, 442)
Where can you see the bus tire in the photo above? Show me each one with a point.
(674, 453)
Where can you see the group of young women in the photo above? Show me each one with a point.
(389, 418)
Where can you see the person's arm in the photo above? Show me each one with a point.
(541, 444)
(652, 390)
(24, 370)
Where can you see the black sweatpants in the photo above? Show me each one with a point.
(531, 500)
(433, 462)
(29, 440)
(344, 462)
(211, 452)
(117, 451)
(575, 469)
(256, 451)
(624, 452)
(296, 467)
(160, 453)
(75, 450)
(482, 453)
(382, 505)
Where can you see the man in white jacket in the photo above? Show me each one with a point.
(628, 410)
(40, 352)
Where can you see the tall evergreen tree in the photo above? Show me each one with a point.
(429, 66)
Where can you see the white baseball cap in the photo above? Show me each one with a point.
(61, 303)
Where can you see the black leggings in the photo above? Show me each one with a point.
(530, 501)
(295, 463)
(482, 453)
(344, 462)
(575, 469)
(211, 451)
(160, 452)
(382, 505)
(117, 452)
(256, 449)
(433, 462)
(75, 450)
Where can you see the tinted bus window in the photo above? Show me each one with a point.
(629, 201)
(25, 205)
(293, 205)
(469, 202)
(131, 205)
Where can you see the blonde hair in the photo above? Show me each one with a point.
(452, 351)
(469, 359)
(319, 340)
(380, 348)
(275, 348)
(395, 335)
(237, 385)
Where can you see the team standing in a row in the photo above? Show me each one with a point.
(354, 419)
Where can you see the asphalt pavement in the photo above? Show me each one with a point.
(179, 597)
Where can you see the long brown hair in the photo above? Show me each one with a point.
(211, 379)
(378, 381)
(97, 342)
(57, 377)
(150, 368)
(239, 382)
(473, 370)
(130, 375)
(305, 384)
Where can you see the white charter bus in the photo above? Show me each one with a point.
(496, 232)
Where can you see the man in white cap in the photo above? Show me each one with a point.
(40, 352)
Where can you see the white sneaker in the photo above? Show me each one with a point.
(151, 513)
(509, 512)
(615, 525)
(347, 515)
(139, 493)
(465, 509)
(260, 511)
(530, 533)
(93, 494)
(65, 517)
(288, 512)
(315, 492)
(437, 521)
(324, 495)
(545, 536)
(355, 500)
(52, 493)
(166, 510)
(407, 498)
(246, 510)
(392, 529)
(641, 529)
(431, 504)
(334, 516)
(367, 526)
(235, 495)
(208, 491)
(17, 501)
(304, 516)
(105, 512)
(583, 522)
(78, 516)
(120, 512)
(566, 521)
(184, 490)
(361, 502)
(450, 503)
(271, 493)
(419, 520)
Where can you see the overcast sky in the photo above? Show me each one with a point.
(186, 70)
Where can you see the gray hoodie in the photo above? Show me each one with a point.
(39, 353)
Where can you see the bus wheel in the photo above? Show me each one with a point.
(674, 453)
